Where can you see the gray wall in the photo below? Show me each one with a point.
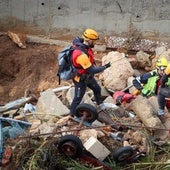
(149, 17)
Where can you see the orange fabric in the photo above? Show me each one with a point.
(136, 92)
(84, 61)
(167, 70)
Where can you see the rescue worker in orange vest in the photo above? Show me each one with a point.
(164, 92)
(84, 61)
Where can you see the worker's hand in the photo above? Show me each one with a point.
(107, 65)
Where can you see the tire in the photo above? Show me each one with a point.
(70, 145)
(91, 111)
(123, 154)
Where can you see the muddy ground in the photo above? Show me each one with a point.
(33, 68)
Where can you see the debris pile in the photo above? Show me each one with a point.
(116, 134)
(37, 131)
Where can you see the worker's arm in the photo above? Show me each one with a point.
(95, 70)
(84, 61)
(138, 81)
(164, 79)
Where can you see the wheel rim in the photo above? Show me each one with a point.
(89, 115)
(124, 156)
(69, 148)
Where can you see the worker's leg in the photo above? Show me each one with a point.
(80, 89)
(93, 85)
(163, 93)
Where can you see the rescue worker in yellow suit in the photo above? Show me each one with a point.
(84, 61)
(164, 92)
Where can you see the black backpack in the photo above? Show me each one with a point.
(67, 70)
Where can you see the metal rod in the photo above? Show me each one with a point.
(96, 127)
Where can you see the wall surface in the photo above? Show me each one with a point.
(149, 17)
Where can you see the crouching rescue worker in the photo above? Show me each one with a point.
(164, 92)
(148, 84)
(83, 59)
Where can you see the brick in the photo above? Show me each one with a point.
(96, 148)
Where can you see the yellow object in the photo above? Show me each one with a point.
(167, 70)
(90, 34)
(77, 78)
(162, 62)
(84, 61)
(136, 92)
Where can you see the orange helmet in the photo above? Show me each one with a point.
(90, 34)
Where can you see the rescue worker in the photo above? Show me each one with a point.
(149, 83)
(164, 92)
(84, 61)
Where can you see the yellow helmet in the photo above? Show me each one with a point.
(162, 62)
(90, 34)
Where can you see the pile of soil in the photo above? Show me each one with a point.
(33, 68)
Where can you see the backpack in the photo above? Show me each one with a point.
(67, 70)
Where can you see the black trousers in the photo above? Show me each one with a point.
(80, 89)
(163, 93)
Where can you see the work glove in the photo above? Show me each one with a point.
(107, 65)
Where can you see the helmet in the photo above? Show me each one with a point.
(162, 62)
(90, 34)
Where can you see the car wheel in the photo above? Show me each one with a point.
(70, 146)
(123, 154)
(91, 112)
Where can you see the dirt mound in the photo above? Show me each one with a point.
(33, 68)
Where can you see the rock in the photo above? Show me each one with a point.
(144, 110)
(18, 38)
(49, 103)
(143, 60)
(119, 71)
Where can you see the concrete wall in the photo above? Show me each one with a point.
(149, 17)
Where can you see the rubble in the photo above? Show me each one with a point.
(58, 124)
(50, 121)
